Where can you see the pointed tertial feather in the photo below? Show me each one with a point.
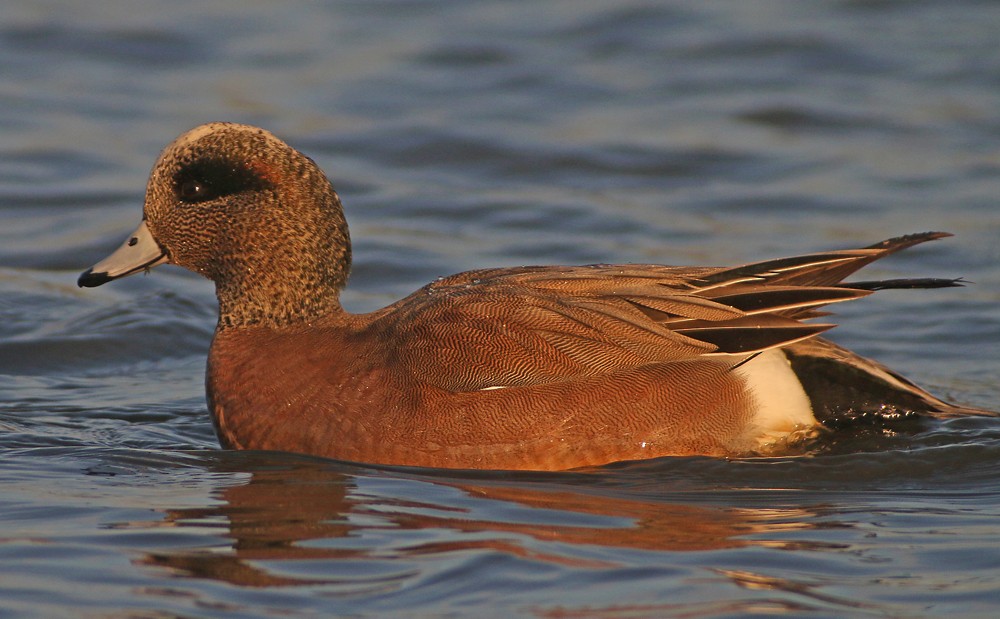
(733, 339)
(899, 243)
(772, 299)
(903, 284)
(784, 270)
(819, 269)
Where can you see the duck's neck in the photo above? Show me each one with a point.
(289, 277)
(270, 302)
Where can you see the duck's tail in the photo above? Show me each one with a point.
(844, 387)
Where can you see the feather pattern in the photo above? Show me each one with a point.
(534, 325)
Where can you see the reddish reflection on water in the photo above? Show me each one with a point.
(300, 514)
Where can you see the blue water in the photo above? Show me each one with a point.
(470, 134)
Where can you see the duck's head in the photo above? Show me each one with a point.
(239, 206)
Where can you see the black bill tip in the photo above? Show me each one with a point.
(89, 279)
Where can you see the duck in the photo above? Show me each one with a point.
(516, 368)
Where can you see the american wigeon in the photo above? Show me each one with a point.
(541, 367)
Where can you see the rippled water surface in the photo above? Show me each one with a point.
(470, 134)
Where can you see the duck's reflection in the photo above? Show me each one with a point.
(317, 511)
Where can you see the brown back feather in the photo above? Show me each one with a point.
(533, 325)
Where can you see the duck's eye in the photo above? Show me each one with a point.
(208, 179)
(193, 190)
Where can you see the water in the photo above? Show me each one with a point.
(471, 134)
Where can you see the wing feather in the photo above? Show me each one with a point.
(534, 325)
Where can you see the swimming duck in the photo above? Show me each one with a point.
(538, 367)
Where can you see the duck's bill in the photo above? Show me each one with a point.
(138, 253)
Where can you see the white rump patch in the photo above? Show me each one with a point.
(783, 407)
